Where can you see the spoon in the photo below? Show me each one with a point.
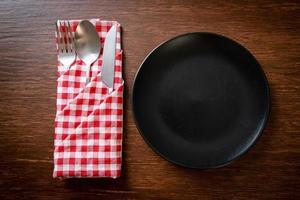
(87, 44)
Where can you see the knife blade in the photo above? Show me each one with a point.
(108, 62)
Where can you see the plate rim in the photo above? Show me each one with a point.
(241, 153)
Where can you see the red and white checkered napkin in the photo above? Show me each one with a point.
(89, 120)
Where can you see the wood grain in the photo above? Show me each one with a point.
(269, 29)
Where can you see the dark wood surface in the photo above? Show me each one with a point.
(269, 29)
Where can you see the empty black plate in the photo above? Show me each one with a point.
(200, 100)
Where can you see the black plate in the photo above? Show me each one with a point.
(200, 100)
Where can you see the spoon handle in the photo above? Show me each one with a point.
(87, 74)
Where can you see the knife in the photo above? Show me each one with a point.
(108, 61)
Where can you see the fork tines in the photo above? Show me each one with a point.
(65, 38)
(65, 44)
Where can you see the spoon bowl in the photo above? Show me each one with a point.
(87, 44)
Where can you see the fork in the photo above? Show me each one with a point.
(65, 44)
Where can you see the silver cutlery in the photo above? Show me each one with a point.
(108, 62)
(87, 44)
(65, 44)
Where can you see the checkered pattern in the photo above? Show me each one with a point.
(89, 120)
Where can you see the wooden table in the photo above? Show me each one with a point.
(269, 29)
